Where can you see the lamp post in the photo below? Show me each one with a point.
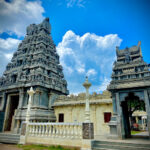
(87, 85)
(30, 92)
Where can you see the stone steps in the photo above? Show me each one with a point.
(9, 138)
(110, 145)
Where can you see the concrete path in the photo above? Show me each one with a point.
(138, 138)
(9, 147)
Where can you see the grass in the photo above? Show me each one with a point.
(42, 147)
(135, 132)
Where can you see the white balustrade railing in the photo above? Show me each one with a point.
(56, 130)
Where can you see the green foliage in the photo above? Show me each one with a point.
(135, 104)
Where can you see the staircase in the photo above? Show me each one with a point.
(9, 138)
(111, 145)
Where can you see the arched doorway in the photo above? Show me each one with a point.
(131, 104)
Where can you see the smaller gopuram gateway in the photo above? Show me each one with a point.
(35, 64)
(130, 84)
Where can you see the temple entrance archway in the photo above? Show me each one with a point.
(130, 79)
(121, 124)
(131, 104)
(12, 104)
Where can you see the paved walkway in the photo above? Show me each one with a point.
(142, 133)
(141, 138)
(9, 147)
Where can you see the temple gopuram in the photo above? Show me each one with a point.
(130, 83)
(34, 64)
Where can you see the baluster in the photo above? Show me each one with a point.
(33, 126)
(80, 131)
(72, 132)
(43, 127)
(46, 131)
(57, 130)
(30, 129)
(60, 131)
(36, 129)
(53, 131)
(64, 131)
(74, 129)
(50, 130)
(67, 131)
(40, 130)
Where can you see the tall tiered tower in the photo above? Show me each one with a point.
(36, 64)
(130, 81)
(129, 66)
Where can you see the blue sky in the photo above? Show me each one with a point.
(85, 32)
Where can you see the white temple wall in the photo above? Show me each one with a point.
(75, 113)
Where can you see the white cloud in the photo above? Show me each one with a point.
(16, 15)
(8, 56)
(79, 3)
(8, 44)
(7, 48)
(91, 72)
(89, 54)
(104, 84)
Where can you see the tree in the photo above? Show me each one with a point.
(134, 104)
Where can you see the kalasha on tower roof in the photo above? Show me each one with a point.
(36, 62)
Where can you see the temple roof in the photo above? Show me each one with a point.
(129, 70)
(132, 50)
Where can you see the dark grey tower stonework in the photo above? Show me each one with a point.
(36, 64)
(130, 80)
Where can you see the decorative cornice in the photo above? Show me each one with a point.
(82, 102)
(79, 99)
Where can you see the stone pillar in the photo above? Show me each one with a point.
(136, 118)
(114, 104)
(87, 85)
(87, 127)
(147, 110)
(30, 92)
(24, 128)
(113, 121)
(37, 97)
(120, 130)
(50, 100)
(5, 125)
(21, 97)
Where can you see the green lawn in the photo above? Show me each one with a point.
(135, 132)
(42, 147)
